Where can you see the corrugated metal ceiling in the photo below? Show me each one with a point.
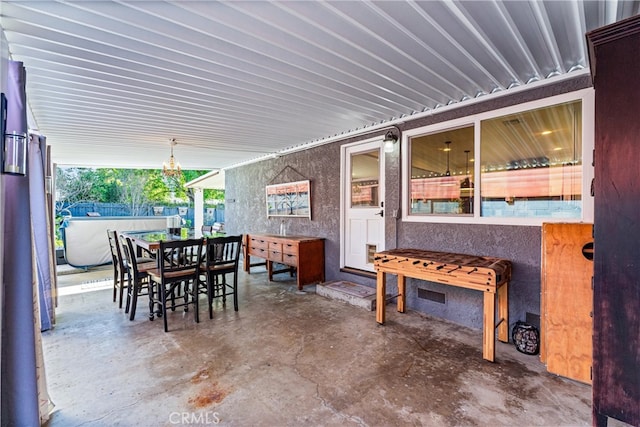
(110, 82)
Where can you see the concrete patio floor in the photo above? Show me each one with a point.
(287, 359)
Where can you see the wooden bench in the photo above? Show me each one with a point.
(486, 274)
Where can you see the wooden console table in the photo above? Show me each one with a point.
(489, 275)
(304, 254)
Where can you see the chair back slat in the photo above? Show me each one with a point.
(119, 269)
(129, 257)
(180, 256)
(223, 251)
(112, 235)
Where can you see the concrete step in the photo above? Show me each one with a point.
(351, 293)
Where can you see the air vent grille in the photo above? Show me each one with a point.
(431, 296)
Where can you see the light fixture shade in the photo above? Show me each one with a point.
(390, 140)
(14, 154)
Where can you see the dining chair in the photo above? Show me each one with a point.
(176, 277)
(137, 273)
(119, 269)
(222, 256)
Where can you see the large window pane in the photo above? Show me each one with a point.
(442, 173)
(365, 177)
(531, 163)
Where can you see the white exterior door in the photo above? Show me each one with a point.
(362, 204)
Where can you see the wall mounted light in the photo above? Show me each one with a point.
(14, 154)
(390, 140)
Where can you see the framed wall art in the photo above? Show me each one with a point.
(292, 199)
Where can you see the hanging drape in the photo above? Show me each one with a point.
(41, 230)
(43, 258)
(21, 347)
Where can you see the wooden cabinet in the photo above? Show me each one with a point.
(304, 255)
(615, 66)
(566, 327)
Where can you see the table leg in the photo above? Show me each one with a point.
(245, 254)
(402, 296)
(503, 312)
(488, 325)
(381, 293)
(247, 262)
(270, 270)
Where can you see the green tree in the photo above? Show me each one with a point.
(133, 190)
(214, 194)
(176, 185)
(137, 188)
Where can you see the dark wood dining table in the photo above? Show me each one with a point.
(150, 240)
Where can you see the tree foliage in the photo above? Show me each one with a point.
(137, 188)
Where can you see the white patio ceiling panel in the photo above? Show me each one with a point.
(109, 83)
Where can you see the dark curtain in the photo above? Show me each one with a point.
(19, 378)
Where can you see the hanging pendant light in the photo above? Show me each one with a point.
(447, 149)
(467, 164)
(172, 168)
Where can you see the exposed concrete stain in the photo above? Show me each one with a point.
(200, 376)
(209, 394)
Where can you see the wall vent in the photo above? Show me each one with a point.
(431, 295)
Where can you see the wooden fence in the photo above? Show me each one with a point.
(211, 213)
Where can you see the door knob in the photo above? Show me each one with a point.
(381, 213)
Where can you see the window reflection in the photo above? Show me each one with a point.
(442, 173)
(531, 163)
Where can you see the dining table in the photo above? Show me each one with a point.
(150, 240)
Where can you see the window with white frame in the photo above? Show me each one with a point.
(442, 172)
(521, 165)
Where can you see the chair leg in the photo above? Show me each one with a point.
(210, 287)
(235, 291)
(115, 284)
(184, 288)
(163, 302)
(134, 299)
(171, 291)
(122, 281)
(194, 295)
(129, 289)
(153, 298)
(223, 288)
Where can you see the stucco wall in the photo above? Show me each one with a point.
(246, 213)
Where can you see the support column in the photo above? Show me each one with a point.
(198, 211)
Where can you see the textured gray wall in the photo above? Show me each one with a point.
(246, 213)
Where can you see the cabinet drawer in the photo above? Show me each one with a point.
(258, 243)
(275, 256)
(259, 252)
(290, 248)
(290, 259)
(275, 246)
